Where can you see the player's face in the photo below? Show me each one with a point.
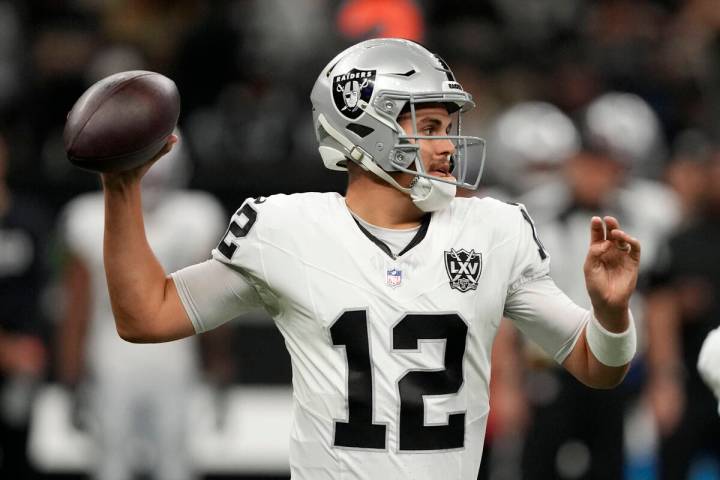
(433, 120)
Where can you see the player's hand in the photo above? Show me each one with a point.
(611, 270)
(129, 178)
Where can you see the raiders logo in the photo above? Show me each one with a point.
(463, 268)
(350, 88)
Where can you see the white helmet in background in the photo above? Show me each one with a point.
(356, 102)
(626, 127)
(529, 143)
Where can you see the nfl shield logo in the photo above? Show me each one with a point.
(463, 268)
(394, 277)
(350, 88)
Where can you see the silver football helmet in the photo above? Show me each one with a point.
(357, 100)
(626, 126)
(530, 142)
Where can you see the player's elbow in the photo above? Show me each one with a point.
(133, 334)
(130, 335)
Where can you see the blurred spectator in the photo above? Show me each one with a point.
(382, 18)
(509, 414)
(137, 394)
(683, 308)
(10, 56)
(24, 230)
(686, 170)
(563, 440)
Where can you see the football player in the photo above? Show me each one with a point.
(122, 379)
(389, 297)
(709, 362)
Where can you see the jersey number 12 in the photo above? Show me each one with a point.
(350, 331)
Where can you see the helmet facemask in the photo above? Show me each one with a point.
(466, 161)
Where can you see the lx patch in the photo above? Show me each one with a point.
(463, 268)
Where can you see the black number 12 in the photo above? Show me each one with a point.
(350, 330)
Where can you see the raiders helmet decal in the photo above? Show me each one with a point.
(350, 88)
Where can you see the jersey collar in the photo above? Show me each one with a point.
(419, 235)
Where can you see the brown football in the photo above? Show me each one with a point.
(122, 121)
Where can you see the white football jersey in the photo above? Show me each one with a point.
(180, 230)
(390, 356)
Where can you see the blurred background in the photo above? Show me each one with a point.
(588, 106)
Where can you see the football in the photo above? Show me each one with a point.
(122, 121)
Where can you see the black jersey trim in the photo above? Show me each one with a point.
(419, 236)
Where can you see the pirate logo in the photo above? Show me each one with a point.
(463, 268)
(349, 89)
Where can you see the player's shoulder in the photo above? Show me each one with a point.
(487, 210)
(292, 209)
(298, 201)
(81, 221)
(83, 213)
(194, 203)
(84, 205)
(192, 210)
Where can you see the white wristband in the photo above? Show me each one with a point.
(611, 349)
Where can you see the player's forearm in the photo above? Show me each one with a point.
(136, 280)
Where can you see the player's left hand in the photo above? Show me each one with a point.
(611, 269)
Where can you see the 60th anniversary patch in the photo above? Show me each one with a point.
(350, 88)
(463, 268)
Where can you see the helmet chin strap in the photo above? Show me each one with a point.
(431, 196)
(427, 195)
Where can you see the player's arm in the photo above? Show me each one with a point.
(508, 402)
(74, 321)
(602, 355)
(145, 301)
(595, 346)
(665, 385)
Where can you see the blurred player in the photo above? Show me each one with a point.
(137, 394)
(531, 142)
(23, 272)
(388, 298)
(599, 177)
(683, 308)
(709, 362)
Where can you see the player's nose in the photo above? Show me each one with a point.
(444, 147)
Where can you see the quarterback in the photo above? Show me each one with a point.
(388, 298)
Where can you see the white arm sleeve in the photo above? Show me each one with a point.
(547, 316)
(214, 293)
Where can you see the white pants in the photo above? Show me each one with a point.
(139, 421)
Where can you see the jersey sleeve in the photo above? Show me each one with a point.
(233, 281)
(214, 293)
(531, 260)
(534, 302)
(547, 316)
